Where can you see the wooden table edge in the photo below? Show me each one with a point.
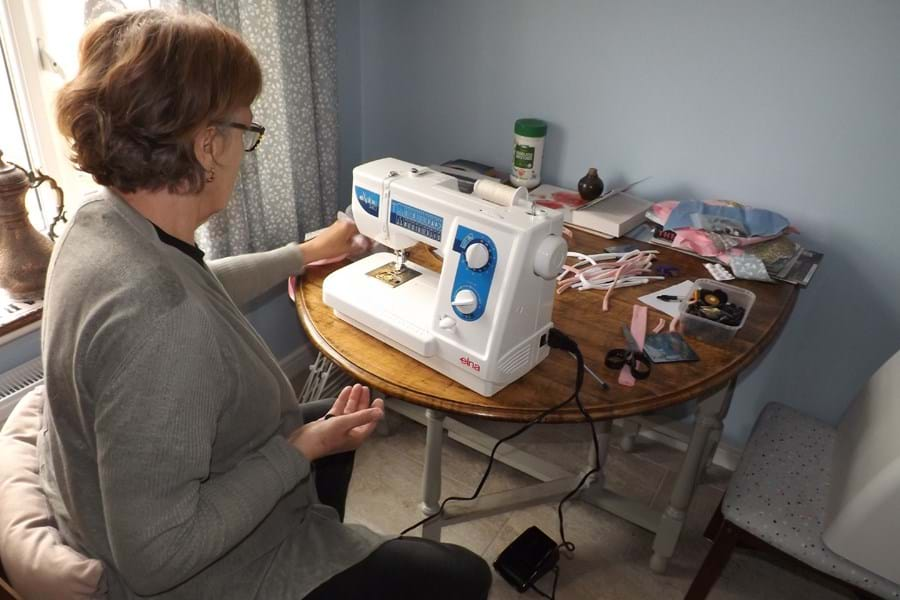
(698, 391)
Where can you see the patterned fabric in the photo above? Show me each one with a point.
(288, 185)
(774, 253)
(748, 266)
(779, 491)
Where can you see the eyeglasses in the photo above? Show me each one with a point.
(252, 134)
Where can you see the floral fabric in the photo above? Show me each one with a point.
(288, 185)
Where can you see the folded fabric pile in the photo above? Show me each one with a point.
(752, 241)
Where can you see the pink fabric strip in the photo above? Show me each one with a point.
(614, 282)
(606, 274)
(660, 326)
(292, 285)
(639, 331)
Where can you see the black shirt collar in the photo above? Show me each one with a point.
(191, 250)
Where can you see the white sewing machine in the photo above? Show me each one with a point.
(482, 320)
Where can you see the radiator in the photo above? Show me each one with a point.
(17, 382)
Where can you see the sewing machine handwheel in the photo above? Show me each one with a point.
(550, 256)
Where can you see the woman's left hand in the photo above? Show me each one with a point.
(348, 423)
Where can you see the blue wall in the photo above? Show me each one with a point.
(790, 105)
(272, 314)
(20, 350)
(349, 99)
(274, 317)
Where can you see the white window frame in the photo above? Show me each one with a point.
(44, 147)
(20, 36)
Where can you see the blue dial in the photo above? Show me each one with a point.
(479, 250)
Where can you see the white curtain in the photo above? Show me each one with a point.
(288, 185)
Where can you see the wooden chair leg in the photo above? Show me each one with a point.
(715, 524)
(723, 545)
(7, 593)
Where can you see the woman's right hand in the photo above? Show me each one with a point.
(336, 241)
(352, 419)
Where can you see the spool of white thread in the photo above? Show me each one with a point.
(499, 193)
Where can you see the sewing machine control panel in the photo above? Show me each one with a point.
(474, 272)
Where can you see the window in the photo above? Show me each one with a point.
(39, 47)
(40, 51)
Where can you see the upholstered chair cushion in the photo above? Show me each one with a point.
(36, 560)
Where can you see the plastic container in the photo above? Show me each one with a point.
(707, 330)
(528, 153)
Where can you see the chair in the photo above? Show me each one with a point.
(6, 591)
(36, 563)
(826, 497)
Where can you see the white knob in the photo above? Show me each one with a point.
(477, 255)
(447, 322)
(550, 256)
(465, 301)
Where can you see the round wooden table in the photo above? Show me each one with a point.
(581, 317)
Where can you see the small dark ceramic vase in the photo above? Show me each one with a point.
(590, 186)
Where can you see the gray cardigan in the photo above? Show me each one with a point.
(164, 452)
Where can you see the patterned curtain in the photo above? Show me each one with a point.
(289, 184)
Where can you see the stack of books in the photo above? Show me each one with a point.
(611, 217)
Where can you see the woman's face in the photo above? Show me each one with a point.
(228, 151)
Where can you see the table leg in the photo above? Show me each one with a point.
(708, 420)
(715, 436)
(630, 429)
(431, 477)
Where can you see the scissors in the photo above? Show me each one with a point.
(633, 356)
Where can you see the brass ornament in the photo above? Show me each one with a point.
(24, 252)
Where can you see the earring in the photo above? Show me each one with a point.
(210, 175)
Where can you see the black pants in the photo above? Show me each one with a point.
(400, 569)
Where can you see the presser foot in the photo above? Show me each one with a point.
(391, 275)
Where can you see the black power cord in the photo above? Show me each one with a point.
(558, 340)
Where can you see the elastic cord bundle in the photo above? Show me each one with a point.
(607, 271)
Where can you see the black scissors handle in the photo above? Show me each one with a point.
(639, 362)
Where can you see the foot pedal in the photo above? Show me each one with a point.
(528, 558)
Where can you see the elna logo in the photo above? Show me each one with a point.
(468, 362)
(368, 200)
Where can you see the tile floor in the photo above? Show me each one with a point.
(612, 555)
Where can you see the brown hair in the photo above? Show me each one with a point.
(148, 81)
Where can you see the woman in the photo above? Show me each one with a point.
(175, 451)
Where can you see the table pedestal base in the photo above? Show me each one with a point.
(556, 482)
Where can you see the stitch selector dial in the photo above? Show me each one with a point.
(465, 301)
(477, 259)
(478, 256)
